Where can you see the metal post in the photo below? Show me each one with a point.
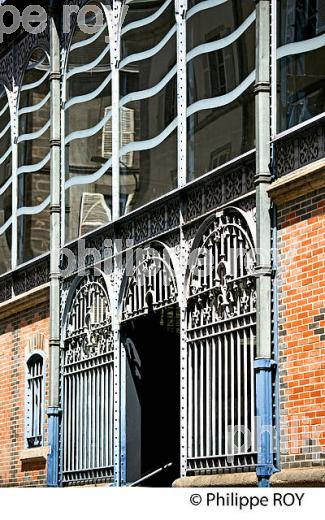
(263, 362)
(115, 17)
(54, 343)
(180, 11)
(13, 103)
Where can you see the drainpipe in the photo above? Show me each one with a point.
(263, 361)
(54, 342)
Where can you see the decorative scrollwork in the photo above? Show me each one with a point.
(88, 331)
(151, 285)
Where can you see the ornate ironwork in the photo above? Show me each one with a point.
(304, 147)
(221, 317)
(151, 283)
(87, 364)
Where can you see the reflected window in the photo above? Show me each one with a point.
(148, 108)
(88, 134)
(301, 71)
(5, 182)
(220, 76)
(34, 159)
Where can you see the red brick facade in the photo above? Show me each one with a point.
(301, 280)
(16, 332)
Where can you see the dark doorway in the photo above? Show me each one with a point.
(152, 347)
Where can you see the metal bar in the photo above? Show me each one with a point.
(180, 11)
(213, 396)
(55, 188)
(208, 398)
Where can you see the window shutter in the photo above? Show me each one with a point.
(126, 135)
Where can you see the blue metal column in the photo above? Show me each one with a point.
(55, 213)
(263, 362)
(264, 412)
(53, 441)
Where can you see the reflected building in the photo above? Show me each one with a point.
(161, 244)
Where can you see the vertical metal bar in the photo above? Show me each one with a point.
(232, 391)
(252, 388)
(239, 395)
(196, 399)
(245, 390)
(220, 405)
(65, 425)
(114, 21)
(77, 420)
(93, 417)
(89, 429)
(190, 401)
(208, 398)
(97, 415)
(213, 396)
(180, 12)
(84, 421)
(201, 402)
(226, 370)
(55, 239)
(102, 414)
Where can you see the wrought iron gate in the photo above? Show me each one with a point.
(87, 386)
(221, 348)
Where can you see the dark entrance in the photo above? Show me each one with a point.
(152, 347)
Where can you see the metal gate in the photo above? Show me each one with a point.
(87, 386)
(221, 348)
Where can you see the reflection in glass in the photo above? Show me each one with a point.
(5, 183)
(88, 141)
(34, 159)
(220, 132)
(301, 76)
(148, 118)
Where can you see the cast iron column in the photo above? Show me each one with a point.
(54, 343)
(263, 362)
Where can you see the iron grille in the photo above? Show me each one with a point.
(87, 433)
(221, 350)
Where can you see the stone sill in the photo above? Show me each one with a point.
(300, 182)
(19, 303)
(297, 477)
(34, 454)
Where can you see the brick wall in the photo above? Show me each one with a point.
(301, 280)
(15, 333)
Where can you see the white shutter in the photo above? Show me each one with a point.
(126, 135)
(94, 212)
(107, 136)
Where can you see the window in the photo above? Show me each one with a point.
(300, 54)
(220, 80)
(34, 401)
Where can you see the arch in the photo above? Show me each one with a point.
(229, 220)
(150, 278)
(87, 382)
(220, 345)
